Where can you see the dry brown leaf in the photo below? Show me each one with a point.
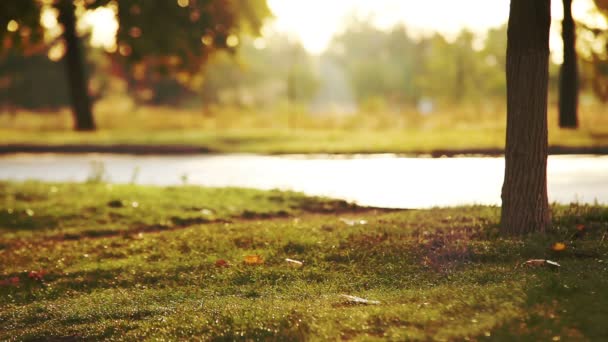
(221, 263)
(535, 262)
(541, 262)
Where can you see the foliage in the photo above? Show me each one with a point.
(400, 69)
(32, 82)
(157, 42)
(593, 48)
(177, 38)
(20, 26)
(270, 73)
(439, 274)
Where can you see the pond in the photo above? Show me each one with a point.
(374, 180)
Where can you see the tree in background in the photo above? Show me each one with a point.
(155, 38)
(32, 82)
(395, 69)
(595, 54)
(493, 57)
(19, 30)
(380, 65)
(78, 79)
(263, 72)
(525, 206)
(568, 80)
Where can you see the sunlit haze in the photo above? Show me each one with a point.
(314, 22)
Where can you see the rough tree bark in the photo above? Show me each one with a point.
(568, 78)
(525, 206)
(75, 68)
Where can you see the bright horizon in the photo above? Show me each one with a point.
(315, 22)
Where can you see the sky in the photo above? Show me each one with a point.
(314, 22)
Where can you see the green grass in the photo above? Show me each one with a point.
(305, 141)
(441, 274)
(237, 131)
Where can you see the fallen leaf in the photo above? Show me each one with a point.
(222, 263)
(559, 247)
(535, 262)
(206, 212)
(359, 300)
(12, 281)
(541, 262)
(294, 263)
(253, 260)
(351, 222)
(37, 275)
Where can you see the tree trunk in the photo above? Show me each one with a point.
(525, 206)
(75, 67)
(568, 79)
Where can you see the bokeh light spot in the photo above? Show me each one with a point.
(232, 41)
(12, 26)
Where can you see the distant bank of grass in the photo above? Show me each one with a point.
(93, 261)
(230, 131)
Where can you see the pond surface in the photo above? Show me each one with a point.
(375, 180)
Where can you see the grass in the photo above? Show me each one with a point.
(230, 131)
(165, 270)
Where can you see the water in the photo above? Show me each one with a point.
(375, 180)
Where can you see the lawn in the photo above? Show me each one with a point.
(239, 131)
(121, 262)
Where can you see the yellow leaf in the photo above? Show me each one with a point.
(559, 246)
(253, 260)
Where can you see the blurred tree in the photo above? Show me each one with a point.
(568, 80)
(37, 81)
(190, 32)
(596, 54)
(390, 68)
(19, 30)
(466, 73)
(437, 77)
(78, 80)
(32, 82)
(493, 62)
(379, 64)
(155, 38)
(525, 207)
(264, 71)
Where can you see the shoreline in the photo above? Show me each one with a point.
(141, 149)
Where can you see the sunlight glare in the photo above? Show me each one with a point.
(48, 18)
(104, 25)
(314, 22)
